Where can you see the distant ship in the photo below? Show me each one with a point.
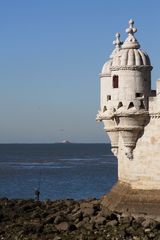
(66, 142)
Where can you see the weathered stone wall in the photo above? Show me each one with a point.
(143, 172)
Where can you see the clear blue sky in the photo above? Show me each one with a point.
(51, 52)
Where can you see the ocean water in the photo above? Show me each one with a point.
(60, 170)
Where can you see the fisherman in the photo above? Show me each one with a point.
(37, 194)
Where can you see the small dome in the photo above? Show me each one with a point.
(131, 57)
(106, 67)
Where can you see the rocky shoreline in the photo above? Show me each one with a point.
(71, 220)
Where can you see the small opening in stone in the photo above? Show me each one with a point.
(115, 81)
(139, 94)
(104, 109)
(142, 106)
(131, 105)
(120, 104)
(108, 97)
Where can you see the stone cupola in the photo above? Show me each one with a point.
(125, 90)
(131, 74)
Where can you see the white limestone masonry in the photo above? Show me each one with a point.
(130, 112)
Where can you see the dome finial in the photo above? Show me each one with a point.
(117, 42)
(131, 42)
(131, 30)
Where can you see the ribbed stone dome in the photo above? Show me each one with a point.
(130, 57)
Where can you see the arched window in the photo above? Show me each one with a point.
(115, 81)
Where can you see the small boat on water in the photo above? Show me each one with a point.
(66, 142)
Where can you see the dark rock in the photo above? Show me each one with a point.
(130, 231)
(112, 223)
(140, 232)
(89, 226)
(112, 216)
(135, 225)
(80, 224)
(140, 219)
(78, 215)
(151, 235)
(124, 226)
(63, 226)
(100, 220)
(121, 234)
(88, 211)
(48, 228)
(105, 212)
(71, 220)
(32, 228)
(75, 209)
(44, 214)
(156, 225)
(58, 219)
(148, 223)
(126, 219)
(72, 227)
(57, 238)
(35, 215)
(51, 219)
(86, 219)
(97, 207)
(1, 217)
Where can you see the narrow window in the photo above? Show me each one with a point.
(131, 105)
(120, 104)
(108, 97)
(104, 109)
(115, 81)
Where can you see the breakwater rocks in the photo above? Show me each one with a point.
(69, 219)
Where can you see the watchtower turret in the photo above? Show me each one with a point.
(131, 74)
(125, 91)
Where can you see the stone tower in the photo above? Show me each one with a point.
(130, 112)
